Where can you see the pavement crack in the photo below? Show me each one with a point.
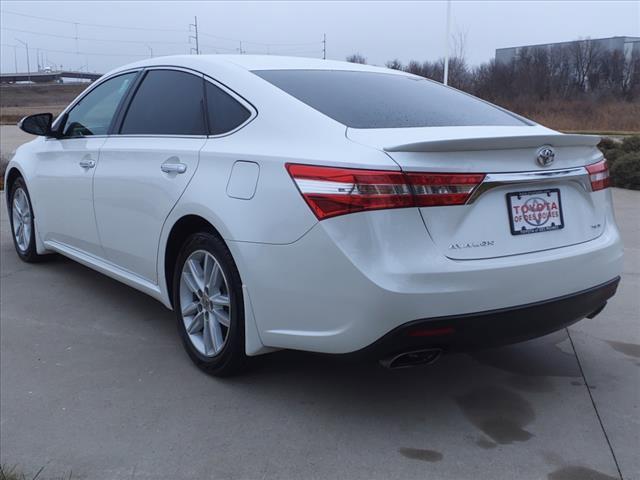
(595, 408)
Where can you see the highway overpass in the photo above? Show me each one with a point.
(47, 77)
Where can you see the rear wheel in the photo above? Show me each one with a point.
(22, 222)
(207, 296)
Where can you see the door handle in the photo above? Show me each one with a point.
(87, 163)
(173, 167)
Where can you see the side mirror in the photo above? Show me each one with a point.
(38, 124)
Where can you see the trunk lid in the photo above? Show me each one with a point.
(559, 207)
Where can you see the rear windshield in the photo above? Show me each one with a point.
(381, 100)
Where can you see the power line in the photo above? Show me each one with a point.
(242, 42)
(84, 53)
(100, 25)
(216, 48)
(94, 39)
(265, 44)
(291, 48)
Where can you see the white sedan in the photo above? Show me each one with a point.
(288, 203)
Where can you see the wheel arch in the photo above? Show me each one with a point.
(13, 173)
(181, 229)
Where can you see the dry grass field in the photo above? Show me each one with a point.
(603, 116)
(17, 101)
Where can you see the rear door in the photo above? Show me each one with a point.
(147, 165)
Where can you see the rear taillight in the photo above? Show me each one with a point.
(599, 175)
(331, 191)
(438, 189)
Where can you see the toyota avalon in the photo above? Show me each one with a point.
(288, 203)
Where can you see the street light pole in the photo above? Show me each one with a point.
(26, 45)
(446, 45)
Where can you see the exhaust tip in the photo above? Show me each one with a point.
(414, 358)
(597, 311)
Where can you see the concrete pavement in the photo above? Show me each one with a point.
(94, 381)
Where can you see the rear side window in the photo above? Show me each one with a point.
(381, 100)
(168, 102)
(225, 112)
(92, 115)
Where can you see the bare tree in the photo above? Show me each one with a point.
(394, 64)
(585, 54)
(631, 76)
(556, 72)
(459, 40)
(356, 58)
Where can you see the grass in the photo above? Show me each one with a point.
(18, 101)
(602, 133)
(604, 116)
(12, 115)
(13, 473)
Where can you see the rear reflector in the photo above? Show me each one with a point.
(599, 175)
(331, 191)
(433, 332)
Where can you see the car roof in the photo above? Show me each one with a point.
(255, 62)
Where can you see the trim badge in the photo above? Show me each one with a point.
(461, 246)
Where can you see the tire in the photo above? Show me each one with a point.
(204, 301)
(22, 220)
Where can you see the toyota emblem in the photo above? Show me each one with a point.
(545, 156)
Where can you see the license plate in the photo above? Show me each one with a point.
(535, 211)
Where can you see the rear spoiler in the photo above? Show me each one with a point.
(498, 143)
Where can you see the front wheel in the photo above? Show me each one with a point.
(22, 222)
(207, 296)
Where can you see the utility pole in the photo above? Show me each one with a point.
(241, 52)
(75, 25)
(324, 46)
(446, 45)
(15, 57)
(26, 46)
(150, 51)
(195, 37)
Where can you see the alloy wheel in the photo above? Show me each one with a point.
(205, 303)
(22, 219)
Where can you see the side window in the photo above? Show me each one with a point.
(225, 112)
(93, 114)
(168, 102)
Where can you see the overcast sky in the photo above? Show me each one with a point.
(380, 30)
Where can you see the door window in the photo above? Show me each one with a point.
(168, 102)
(225, 112)
(93, 114)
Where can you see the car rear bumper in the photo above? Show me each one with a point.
(495, 327)
(349, 282)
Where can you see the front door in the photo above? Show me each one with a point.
(66, 166)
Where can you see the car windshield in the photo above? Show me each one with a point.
(381, 100)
